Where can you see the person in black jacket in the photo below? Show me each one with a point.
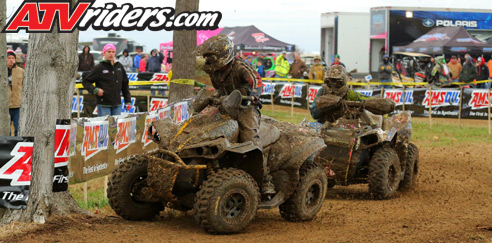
(483, 73)
(111, 80)
(155, 61)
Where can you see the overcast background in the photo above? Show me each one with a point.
(292, 21)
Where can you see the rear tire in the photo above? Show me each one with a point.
(384, 173)
(412, 168)
(227, 201)
(308, 198)
(124, 188)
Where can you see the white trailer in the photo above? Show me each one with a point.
(346, 34)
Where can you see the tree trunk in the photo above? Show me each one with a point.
(184, 58)
(4, 93)
(47, 96)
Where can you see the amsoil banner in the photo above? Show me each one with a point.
(162, 78)
(475, 103)
(15, 171)
(63, 143)
(104, 142)
(442, 102)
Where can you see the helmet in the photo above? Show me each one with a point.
(218, 51)
(317, 58)
(336, 79)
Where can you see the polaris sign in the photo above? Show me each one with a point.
(450, 23)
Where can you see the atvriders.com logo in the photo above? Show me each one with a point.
(40, 17)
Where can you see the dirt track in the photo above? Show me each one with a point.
(452, 198)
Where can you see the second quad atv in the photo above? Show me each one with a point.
(367, 148)
(201, 166)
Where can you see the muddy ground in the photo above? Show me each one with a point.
(452, 198)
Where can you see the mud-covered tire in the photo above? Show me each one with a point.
(124, 183)
(227, 201)
(384, 173)
(412, 168)
(306, 201)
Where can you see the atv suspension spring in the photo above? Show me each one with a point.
(210, 169)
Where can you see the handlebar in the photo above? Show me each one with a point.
(353, 103)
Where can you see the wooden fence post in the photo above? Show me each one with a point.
(404, 97)
(430, 107)
(293, 88)
(490, 101)
(461, 102)
(271, 95)
(85, 193)
(148, 103)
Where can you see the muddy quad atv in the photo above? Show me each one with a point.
(366, 148)
(200, 165)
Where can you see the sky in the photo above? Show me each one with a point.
(292, 21)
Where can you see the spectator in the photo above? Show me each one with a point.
(137, 59)
(154, 62)
(21, 56)
(455, 68)
(317, 71)
(259, 68)
(111, 80)
(385, 72)
(337, 61)
(143, 63)
(126, 61)
(298, 68)
(490, 71)
(15, 82)
(86, 59)
(469, 71)
(428, 69)
(281, 66)
(249, 60)
(483, 73)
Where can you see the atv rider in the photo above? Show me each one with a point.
(330, 102)
(441, 74)
(229, 73)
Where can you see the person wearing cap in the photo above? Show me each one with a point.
(317, 71)
(15, 82)
(483, 73)
(469, 71)
(281, 66)
(110, 80)
(455, 68)
(337, 61)
(385, 72)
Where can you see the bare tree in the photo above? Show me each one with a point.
(47, 96)
(4, 94)
(184, 59)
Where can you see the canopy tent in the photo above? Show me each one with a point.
(446, 40)
(201, 36)
(250, 38)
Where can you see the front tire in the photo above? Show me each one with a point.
(124, 191)
(227, 201)
(412, 168)
(308, 198)
(384, 173)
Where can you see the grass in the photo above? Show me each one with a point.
(443, 133)
(285, 116)
(446, 134)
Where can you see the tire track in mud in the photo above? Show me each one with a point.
(452, 197)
